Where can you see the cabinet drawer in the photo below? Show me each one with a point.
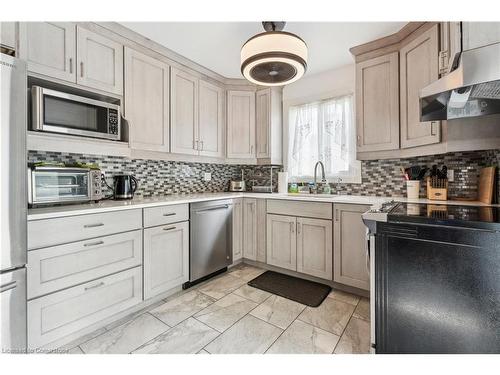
(59, 314)
(43, 233)
(62, 266)
(320, 210)
(165, 215)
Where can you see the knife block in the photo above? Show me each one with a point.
(437, 188)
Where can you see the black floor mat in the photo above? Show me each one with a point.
(303, 291)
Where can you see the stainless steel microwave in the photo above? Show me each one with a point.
(60, 112)
(56, 185)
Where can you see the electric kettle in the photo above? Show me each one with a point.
(124, 186)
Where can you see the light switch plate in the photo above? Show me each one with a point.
(450, 175)
(207, 176)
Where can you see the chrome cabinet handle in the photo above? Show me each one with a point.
(292, 227)
(196, 145)
(251, 149)
(201, 143)
(93, 243)
(93, 225)
(336, 215)
(94, 286)
(81, 68)
(171, 228)
(298, 227)
(70, 65)
(170, 214)
(8, 286)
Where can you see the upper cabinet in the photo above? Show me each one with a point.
(241, 124)
(49, 48)
(197, 116)
(184, 112)
(8, 35)
(377, 103)
(147, 101)
(100, 62)
(68, 52)
(479, 34)
(418, 67)
(268, 108)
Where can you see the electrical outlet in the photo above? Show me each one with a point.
(207, 176)
(450, 175)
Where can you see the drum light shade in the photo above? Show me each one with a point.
(274, 58)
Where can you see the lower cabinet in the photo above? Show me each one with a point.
(166, 257)
(350, 252)
(250, 228)
(282, 241)
(314, 247)
(59, 314)
(237, 229)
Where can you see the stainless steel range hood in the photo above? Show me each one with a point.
(471, 89)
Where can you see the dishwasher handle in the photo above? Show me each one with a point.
(224, 207)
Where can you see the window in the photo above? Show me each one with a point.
(323, 130)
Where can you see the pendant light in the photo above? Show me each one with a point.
(274, 57)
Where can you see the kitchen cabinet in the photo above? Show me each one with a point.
(349, 250)
(261, 230)
(8, 34)
(314, 247)
(282, 241)
(71, 53)
(377, 103)
(241, 124)
(237, 229)
(147, 106)
(184, 113)
(166, 258)
(451, 44)
(211, 120)
(250, 228)
(49, 48)
(268, 109)
(419, 66)
(479, 34)
(100, 62)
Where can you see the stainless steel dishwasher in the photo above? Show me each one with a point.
(210, 239)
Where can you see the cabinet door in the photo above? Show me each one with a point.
(377, 103)
(166, 258)
(184, 111)
(250, 228)
(49, 48)
(100, 62)
(314, 247)
(349, 251)
(479, 34)
(147, 106)
(419, 66)
(8, 34)
(241, 124)
(237, 229)
(282, 241)
(211, 120)
(261, 230)
(263, 122)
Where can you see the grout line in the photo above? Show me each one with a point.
(301, 311)
(343, 331)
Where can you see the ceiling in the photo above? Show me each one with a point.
(216, 45)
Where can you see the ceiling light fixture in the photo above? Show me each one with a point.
(275, 57)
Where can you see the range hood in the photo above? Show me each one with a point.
(472, 89)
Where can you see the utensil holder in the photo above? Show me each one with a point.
(437, 188)
(413, 189)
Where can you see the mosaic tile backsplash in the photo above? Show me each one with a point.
(379, 177)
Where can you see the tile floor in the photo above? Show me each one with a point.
(225, 315)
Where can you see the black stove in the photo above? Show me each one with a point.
(486, 217)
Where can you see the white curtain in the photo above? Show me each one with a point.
(322, 131)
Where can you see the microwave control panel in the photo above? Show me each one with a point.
(113, 121)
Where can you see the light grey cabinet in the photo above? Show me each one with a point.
(240, 124)
(100, 62)
(479, 34)
(314, 247)
(377, 103)
(237, 229)
(166, 258)
(49, 48)
(261, 230)
(349, 251)
(282, 241)
(147, 106)
(268, 118)
(8, 35)
(211, 120)
(184, 113)
(250, 228)
(419, 66)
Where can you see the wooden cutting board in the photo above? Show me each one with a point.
(486, 185)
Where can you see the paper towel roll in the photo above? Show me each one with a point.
(282, 182)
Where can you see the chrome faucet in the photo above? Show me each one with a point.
(323, 178)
